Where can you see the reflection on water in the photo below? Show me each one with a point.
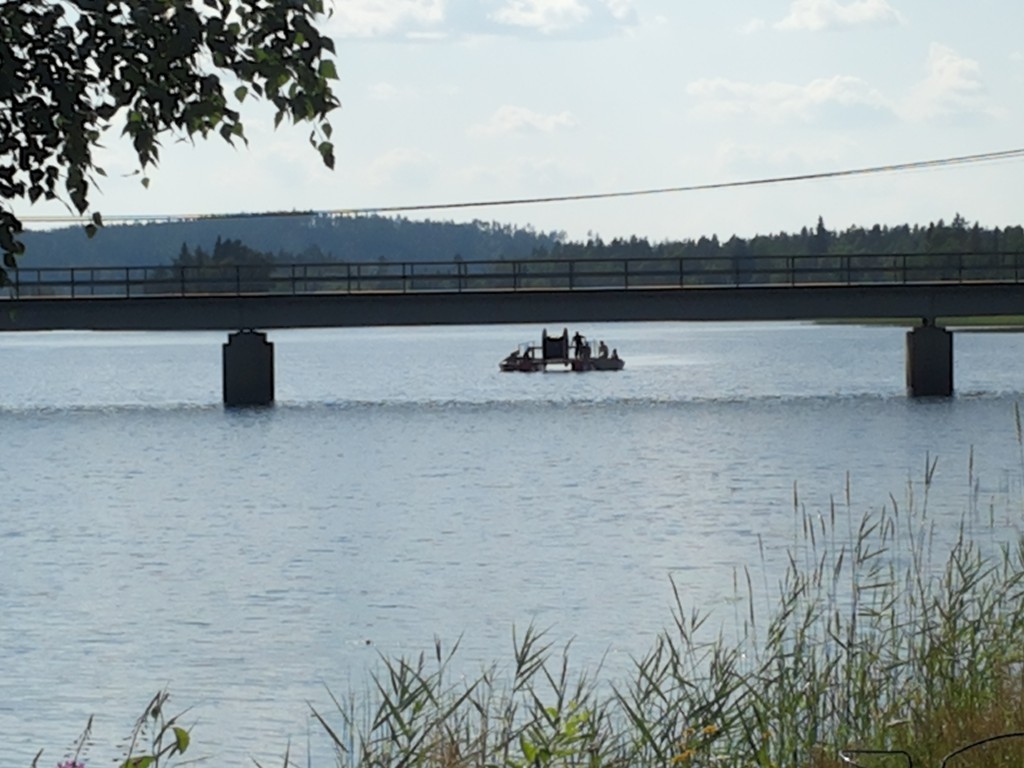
(403, 488)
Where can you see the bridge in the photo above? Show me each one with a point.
(247, 300)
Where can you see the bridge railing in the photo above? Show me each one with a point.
(516, 275)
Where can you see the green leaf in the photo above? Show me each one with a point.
(97, 219)
(157, 72)
(529, 750)
(79, 198)
(90, 230)
(181, 739)
(139, 762)
(328, 70)
(326, 150)
(9, 261)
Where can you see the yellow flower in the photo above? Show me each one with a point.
(684, 757)
(709, 730)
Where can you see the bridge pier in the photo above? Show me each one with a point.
(929, 361)
(248, 368)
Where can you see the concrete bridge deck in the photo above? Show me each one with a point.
(562, 307)
(543, 291)
(251, 299)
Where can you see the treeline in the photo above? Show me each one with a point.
(937, 252)
(321, 239)
(229, 264)
(287, 238)
(224, 253)
(514, 258)
(958, 236)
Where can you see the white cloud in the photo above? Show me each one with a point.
(552, 16)
(427, 20)
(526, 174)
(620, 9)
(510, 119)
(730, 159)
(384, 18)
(405, 166)
(752, 26)
(543, 15)
(952, 86)
(383, 91)
(822, 14)
(783, 102)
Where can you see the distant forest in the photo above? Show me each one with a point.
(958, 236)
(310, 239)
(287, 239)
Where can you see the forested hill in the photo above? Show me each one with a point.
(290, 238)
(315, 238)
(941, 237)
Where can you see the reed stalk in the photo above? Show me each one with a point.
(875, 637)
(873, 640)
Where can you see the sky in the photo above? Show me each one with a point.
(456, 101)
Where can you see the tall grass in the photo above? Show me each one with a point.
(880, 634)
(873, 639)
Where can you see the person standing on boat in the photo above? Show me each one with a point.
(602, 349)
(577, 344)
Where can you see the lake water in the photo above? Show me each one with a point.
(402, 488)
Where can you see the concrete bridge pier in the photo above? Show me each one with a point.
(248, 366)
(929, 361)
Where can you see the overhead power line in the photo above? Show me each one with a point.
(984, 157)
